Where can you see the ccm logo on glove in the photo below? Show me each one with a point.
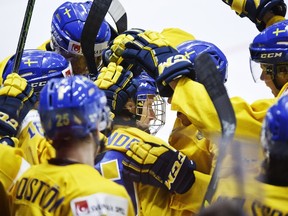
(175, 170)
(171, 61)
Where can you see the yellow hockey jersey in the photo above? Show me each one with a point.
(200, 110)
(148, 200)
(258, 198)
(11, 168)
(37, 149)
(65, 188)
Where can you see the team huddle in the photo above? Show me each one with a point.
(76, 142)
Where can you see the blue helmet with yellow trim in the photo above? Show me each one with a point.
(39, 66)
(193, 48)
(67, 25)
(150, 106)
(269, 49)
(71, 107)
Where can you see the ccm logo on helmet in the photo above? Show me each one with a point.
(37, 84)
(271, 55)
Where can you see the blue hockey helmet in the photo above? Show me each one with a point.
(274, 136)
(39, 66)
(269, 49)
(71, 107)
(150, 106)
(67, 25)
(193, 48)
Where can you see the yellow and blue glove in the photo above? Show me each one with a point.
(16, 99)
(116, 47)
(118, 85)
(150, 51)
(11, 141)
(255, 10)
(160, 166)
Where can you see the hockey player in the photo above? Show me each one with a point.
(268, 60)
(70, 110)
(138, 113)
(66, 29)
(16, 99)
(185, 137)
(249, 116)
(37, 67)
(265, 191)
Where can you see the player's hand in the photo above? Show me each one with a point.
(160, 166)
(255, 10)
(118, 85)
(16, 99)
(153, 53)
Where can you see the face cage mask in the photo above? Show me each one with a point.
(151, 112)
(271, 70)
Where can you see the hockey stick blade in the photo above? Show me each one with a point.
(23, 35)
(119, 16)
(97, 13)
(209, 76)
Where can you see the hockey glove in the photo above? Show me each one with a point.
(16, 99)
(11, 141)
(160, 166)
(116, 47)
(152, 52)
(255, 9)
(118, 85)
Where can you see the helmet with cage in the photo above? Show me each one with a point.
(150, 106)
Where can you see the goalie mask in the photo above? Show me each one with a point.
(150, 106)
(66, 30)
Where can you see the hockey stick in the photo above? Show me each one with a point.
(119, 16)
(97, 13)
(209, 76)
(23, 35)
